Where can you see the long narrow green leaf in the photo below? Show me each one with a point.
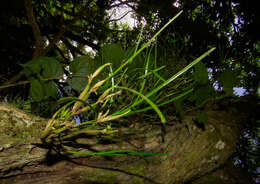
(161, 104)
(139, 39)
(151, 72)
(168, 81)
(145, 73)
(163, 120)
(158, 76)
(144, 46)
(177, 75)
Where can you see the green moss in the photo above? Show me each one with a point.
(16, 123)
(208, 179)
(213, 136)
(105, 176)
(111, 177)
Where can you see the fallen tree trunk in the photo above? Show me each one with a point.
(191, 151)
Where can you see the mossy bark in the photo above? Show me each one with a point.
(192, 152)
(226, 174)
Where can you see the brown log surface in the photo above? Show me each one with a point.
(192, 152)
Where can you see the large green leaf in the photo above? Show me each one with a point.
(31, 68)
(51, 68)
(39, 69)
(50, 88)
(36, 90)
(81, 67)
(112, 53)
(44, 67)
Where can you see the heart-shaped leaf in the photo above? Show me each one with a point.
(45, 67)
(81, 67)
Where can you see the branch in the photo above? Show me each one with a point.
(72, 47)
(12, 80)
(122, 3)
(58, 49)
(55, 40)
(81, 40)
(35, 28)
(113, 20)
(61, 53)
(16, 84)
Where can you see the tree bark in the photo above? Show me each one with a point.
(191, 151)
(226, 174)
